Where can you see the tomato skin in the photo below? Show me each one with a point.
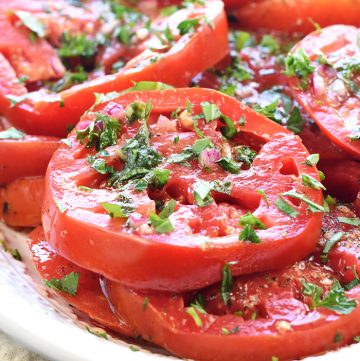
(182, 262)
(89, 298)
(28, 156)
(332, 115)
(177, 68)
(21, 202)
(166, 323)
(293, 16)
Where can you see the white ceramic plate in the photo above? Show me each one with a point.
(49, 327)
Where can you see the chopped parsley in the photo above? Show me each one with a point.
(191, 152)
(188, 26)
(161, 221)
(245, 155)
(67, 284)
(202, 193)
(295, 121)
(211, 111)
(334, 300)
(248, 234)
(137, 111)
(251, 220)
(298, 64)
(270, 43)
(77, 45)
(101, 133)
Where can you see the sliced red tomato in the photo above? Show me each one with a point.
(26, 156)
(35, 59)
(89, 298)
(196, 50)
(332, 90)
(205, 222)
(286, 314)
(357, 204)
(295, 16)
(21, 202)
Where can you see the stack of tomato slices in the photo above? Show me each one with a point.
(218, 225)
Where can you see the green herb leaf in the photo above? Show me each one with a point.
(311, 182)
(314, 207)
(12, 133)
(351, 221)
(298, 64)
(228, 164)
(188, 26)
(62, 208)
(312, 160)
(119, 209)
(67, 284)
(211, 111)
(202, 193)
(330, 243)
(251, 220)
(192, 312)
(161, 222)
(226, 284)
(286, 208)
(31, 22)
(98, 333)
(221, 186)
(138, 111)
(248, 234)
(77, 45)
(263, 194)
(229, 130)
(295, 121)
(269, 42)
(245, 155)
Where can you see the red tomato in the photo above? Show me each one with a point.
(89, 298)
(357, 204)
(267, 315)
(296, 16)
(21, 202)
(204, 238)
(191, 54)
(28, 156)
(330, 97)
(342, 179)
(35, 59)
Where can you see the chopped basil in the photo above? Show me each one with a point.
(198, 132)
(228, 164)
(67, 142)
(85, 189)
(233, 331)
(355, 282)
(245, 155)
(314, 207)
(251, 220)
(202, 193)
(242, 39)
(67, 284)
(103, 132)
(350, 221)
(334, 300)
(137, 111)
(267, 111)
(169, 10)
(69, 79)
(264, 196)
(311, 182)
(61, 207)
(248, 234)
(99, 165)
(199, 304)
(188, 26)
(120, 209)
(134, 348)
(191, 152)
(31, 22)
(312, 160)
(226, 284)
(298, 64)
(12, 133)
(328, 201)
(161, 221)
(211, 111)
(192, 312)
(176, 140)
(286, 208)
(330, 243)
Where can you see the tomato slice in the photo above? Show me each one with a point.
(331, 96)
(21, 202)
(27, 156)
(191, 53)
(89, 298)
(266, 315)
(295, 16)
(206, 227)
(35, 59)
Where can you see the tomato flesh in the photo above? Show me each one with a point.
(205, 237)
